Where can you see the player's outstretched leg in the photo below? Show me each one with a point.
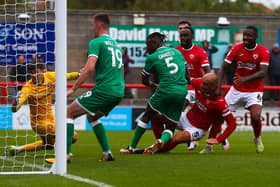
(164, 139)
(11, 150)
(15, 150)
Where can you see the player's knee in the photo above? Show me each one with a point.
(95, 117)
(255, 117)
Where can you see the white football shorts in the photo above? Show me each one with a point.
(185, 125)
(249, 98)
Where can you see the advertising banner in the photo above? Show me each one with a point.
(133, 37)
(124, 118)
(21, 119)
(270, 119)
(26, 39)
(120, 118)
(5, 117)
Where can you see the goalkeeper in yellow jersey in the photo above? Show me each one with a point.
(38, 92)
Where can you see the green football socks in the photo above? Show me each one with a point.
(70, 133)
(139, 131)
(101, 136)
(165, 137)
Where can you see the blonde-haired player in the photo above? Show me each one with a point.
(38, 92)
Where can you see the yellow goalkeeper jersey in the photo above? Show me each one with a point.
(39, 97)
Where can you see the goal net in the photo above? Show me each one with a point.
(27, 54)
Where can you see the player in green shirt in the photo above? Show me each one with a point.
(169, 65)
(105, 57)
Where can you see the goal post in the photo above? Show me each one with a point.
(61, 67)
(32, 28)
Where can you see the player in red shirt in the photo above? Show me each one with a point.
(197, 63)
(196, 57)
(252, 62)
(208, 107)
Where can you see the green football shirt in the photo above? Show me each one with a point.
(169, 65)
(108, 69)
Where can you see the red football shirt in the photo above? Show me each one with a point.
(196, 59)
(206, 111)
(248, 62)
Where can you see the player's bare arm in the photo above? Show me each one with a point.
(231, 125)
(187, 75)
(258, 75)
(215, 129)
(147, 81)
(87, 71)
(206, 69)
(221, 75)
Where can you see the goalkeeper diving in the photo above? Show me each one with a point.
(38, 93)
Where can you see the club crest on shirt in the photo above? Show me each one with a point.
(255, 56)
(191, 56)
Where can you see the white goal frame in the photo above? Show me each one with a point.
(60, 166)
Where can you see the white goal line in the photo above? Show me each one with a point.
(46, 170)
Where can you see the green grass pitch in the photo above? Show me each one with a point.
(238, 167)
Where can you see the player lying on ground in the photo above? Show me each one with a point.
(38, 93)
(206, 110)
(198, 65)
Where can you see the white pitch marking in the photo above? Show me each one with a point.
(68, 176)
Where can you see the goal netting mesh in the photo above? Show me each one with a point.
(27, 36)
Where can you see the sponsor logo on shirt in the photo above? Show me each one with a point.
(201, 106)
(161, 56)
(245, 65)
